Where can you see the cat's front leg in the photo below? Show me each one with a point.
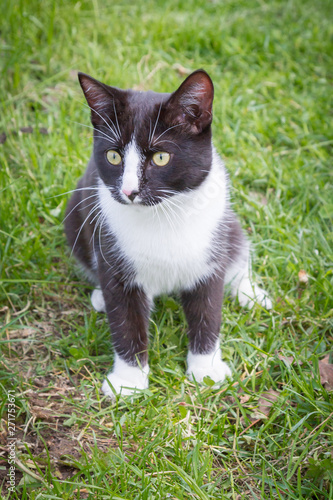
(202, 306)
(128, 313)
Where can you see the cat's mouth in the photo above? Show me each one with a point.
(136, 198)
(127, 198)
(130, 196)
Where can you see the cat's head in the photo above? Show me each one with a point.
(150, 146)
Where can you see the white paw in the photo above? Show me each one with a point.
(211, 365)
(97, 300)
(250, 294)
(121, 386)
(125, 379)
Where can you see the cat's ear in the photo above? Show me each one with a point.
(192, 103)
(98, 95)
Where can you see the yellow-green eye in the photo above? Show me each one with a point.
(161, 158)
(113, 157)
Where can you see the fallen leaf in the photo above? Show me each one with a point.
(26, 130)
(326, 374)
(244, 399)
(42, 413)
(288, 360)
(266, 401)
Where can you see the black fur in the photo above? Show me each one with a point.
(179, 123)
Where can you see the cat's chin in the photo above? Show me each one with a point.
(139, 203)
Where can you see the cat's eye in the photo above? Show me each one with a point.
(161, 158)
(113, 157)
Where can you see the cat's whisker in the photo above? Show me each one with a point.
(115, 112)
(106, 123)
(112, 127)
(167, 191)
(114, 144)
(98, 214)
(92, 238)
(82, 124)
(100, 240)
(164, 132)
(174, 200)
(173, 213)
(99, 224)
(89, 126)
(166, 140)
(73, 191)
(155, 212)
(168, 217)
(93, 128)
(167, 202)
(86, 206)
(170, 201)
(154, 208)
(82, 225)
(79, 203)
(115, 134)
(149, 136)
(158, 117)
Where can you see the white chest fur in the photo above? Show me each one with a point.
(170, 245)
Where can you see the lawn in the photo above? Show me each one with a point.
(268, 432)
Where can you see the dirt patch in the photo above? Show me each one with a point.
(48, 436)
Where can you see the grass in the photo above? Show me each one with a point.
(271, 63)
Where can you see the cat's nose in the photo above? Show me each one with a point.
(130, 194)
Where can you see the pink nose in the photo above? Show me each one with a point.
(131, 195)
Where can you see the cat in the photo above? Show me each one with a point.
(151, 216)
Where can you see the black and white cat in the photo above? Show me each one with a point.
(151, 216)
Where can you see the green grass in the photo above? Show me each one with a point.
(271, 63)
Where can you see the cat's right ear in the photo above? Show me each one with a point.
(98, 95)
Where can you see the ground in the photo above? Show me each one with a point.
(268, 432)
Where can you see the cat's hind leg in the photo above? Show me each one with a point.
(239, 277)
(97, 300)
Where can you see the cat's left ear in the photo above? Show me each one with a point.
(192, 103)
